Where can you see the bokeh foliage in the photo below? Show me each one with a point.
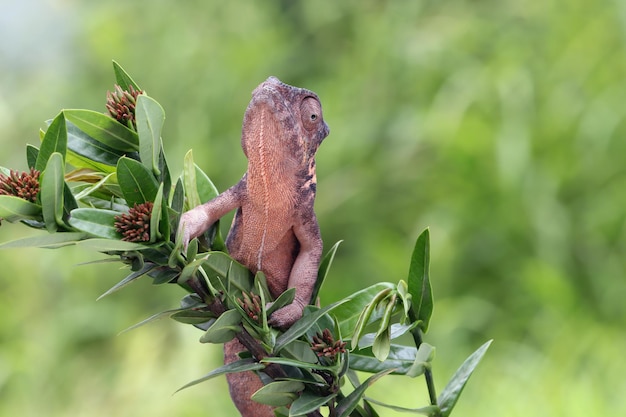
(498, 124)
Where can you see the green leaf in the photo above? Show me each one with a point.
(54, 140)
(206, 189)
(323, 271)
(155, 216)
(90, 152)
(130, 278)
(150, 117)
(52, 184)
(425, 354)
(366, 314)
(348, 314)
(419, 280)
(429, 410)
(397, 330)
(450, 394)
(278, 393)
(308, 403)
(191, 316)
(103, 129)
(123, 79)
(400, 358)
(96, 222)
(152, 318)
(51, 241)
(227, 325)
(109, 245)
(349, 403)
(284, 299)
(31, 155)
(14, 208)
(301, 326)
(136, 181)
(241, 365)
(293, 362)
(382, 344)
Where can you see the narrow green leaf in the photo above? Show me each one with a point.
(136, 181)
(189, 181)
(130, 278)
(419, 280)
(122, 78)
(155, 216)
(425, 354)
(90, 151)
(109, 245)
(51, 241)
(54, 140)
(284, 299)
(308, 403)
(450, 394)
(294, 362)
(69, 202)
(150, 117)
(241, 365)
(301, 326)
(103, 129)
(150, 319)
(366, 314)
(96, 222)
(31, 155)
(349, 403)
(52, 184)
(206, 189)
(192, 316)
(382, 344)
(278, 393)
(227, 325)
(397, 330)
(429, 410)
(323, 271)
(14, 209)
(400, 358)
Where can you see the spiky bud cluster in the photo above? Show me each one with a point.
(251, 304)
(134, 226)
(324, 344)
(121, 105)
(23, 185)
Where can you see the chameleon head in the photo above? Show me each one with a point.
(283, 119)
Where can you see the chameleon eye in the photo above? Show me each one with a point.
(311, 113)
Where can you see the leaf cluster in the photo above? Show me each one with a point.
(95, 169)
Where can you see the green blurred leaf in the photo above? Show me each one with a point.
(450, 394)
(51, 241)
(103, 129)
(419, 280)
(14, 208)
(52, 184)
(382, 344)
(349, 403)
(322, 272)
(241, 365)
(366, 315)
(425, 354)
(206, 189)
(301, 326)
(191, 316)
(149, 116)
(307, 403)
(96, 222)
(293, 362)
(152, 318)
(224, 329)
(130, 278)
(278, 393)
(429, 410)
(54, 140)
(123, 79)
(136, 181)
(109, 245)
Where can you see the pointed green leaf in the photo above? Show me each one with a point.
(301, 326)
(284, 299)
(136, 181)
(150, 117)
(308, 403)
(109, 245)
(54, 140)
(90, 151)
(224, 329)
(155, 216)
(51, 241)
(293, 362)
(96, 222)
(189, 181)
(425, 354)
(152, 318)
(429, 410)
(52, 184)
(349, 403)
(278, 393)
(206, 189)
(419, 280)
(130, 278)
(450, 394)
(323, 271)
(123, 79)
(104, 129)
(400, 358)
(14, 209)
(31, 155)
(382, 344)
(241, 365)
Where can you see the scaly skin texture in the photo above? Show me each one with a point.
(274, 229)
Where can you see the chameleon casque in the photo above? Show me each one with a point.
(274, 229)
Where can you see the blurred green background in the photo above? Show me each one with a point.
(499, 124)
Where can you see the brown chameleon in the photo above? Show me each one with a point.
(274, 229)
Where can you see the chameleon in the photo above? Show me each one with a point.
(274, 229)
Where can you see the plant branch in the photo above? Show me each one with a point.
(428, 374)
